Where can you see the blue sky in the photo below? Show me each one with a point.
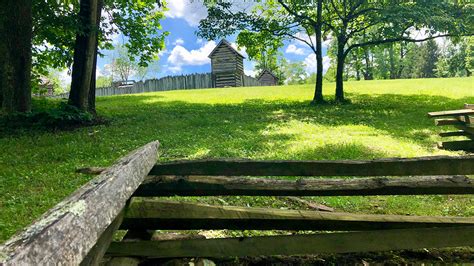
(186, 53)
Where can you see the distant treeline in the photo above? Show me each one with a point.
(429, 59)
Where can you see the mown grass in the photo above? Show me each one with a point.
(385, 119)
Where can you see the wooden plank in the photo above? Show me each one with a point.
(448, 122)
(458, 145)
(466, 128)
(95, 255)
(172, 215)
(451, 113)
(459, 133)
(368, 241)
(467, 120)
(67, 232)
(469, 106)
(436, 165)
(155, 186)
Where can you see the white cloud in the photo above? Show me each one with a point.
(242, 51)
(249, 69)
(98, 72)
(175, 69)
(162, 52)
(190, 10)
(310, 63)
(180, 56)
(199, 41)
(292, 49)
(178, 41)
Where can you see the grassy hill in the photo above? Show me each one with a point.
(385, 119)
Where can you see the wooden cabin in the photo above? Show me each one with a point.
(227, 66)
(267, 78)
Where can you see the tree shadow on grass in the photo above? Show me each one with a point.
(200, 130)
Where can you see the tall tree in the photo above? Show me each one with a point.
(84, 54)
(359, 24)
(16, 58)
(470, 56)
(139, 21)
(427, 59)
(280, 19)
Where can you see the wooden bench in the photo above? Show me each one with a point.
(463, 120)
(79, 230)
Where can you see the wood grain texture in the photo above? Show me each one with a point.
(368, 241)
(156, 186)
(451, 113)
(96, 254)
(421, 166)
(173, 215)
(67, 232)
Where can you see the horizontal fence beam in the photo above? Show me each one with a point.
(448, 122)
(451, 113)
(173, 215)
(459, 133)
(457, 145)
(67, 232)
(368, 241)
(155, 186)
(421, 166)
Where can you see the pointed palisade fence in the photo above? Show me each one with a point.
(168, 83)
(80, 229)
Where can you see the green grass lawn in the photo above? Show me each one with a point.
(385, 119)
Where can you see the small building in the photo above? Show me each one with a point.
(267, 78)
(227, 66)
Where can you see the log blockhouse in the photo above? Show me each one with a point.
(227, 66)
(267, 78)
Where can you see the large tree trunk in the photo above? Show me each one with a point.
(15, 65)
(393, 68)
(341, 56)
(92, 88)
(84, 51)
(402, 61)
(368, 75)
(318, 90)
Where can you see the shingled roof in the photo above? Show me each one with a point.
(226, 43)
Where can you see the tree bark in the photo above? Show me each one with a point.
(393, 69)
(84, 50)
(92, 89)
(368, 68)
(341, 56)
(15, 73)
(318, 91)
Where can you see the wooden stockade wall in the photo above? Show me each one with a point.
(124, 196)
(182, 82)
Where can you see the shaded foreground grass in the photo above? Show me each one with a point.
(385, 119)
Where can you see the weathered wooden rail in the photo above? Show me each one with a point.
(463, 120)
(79, 230)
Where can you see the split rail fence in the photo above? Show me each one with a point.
(80, 228)
(463, 121)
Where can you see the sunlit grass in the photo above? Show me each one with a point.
(385, 119)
